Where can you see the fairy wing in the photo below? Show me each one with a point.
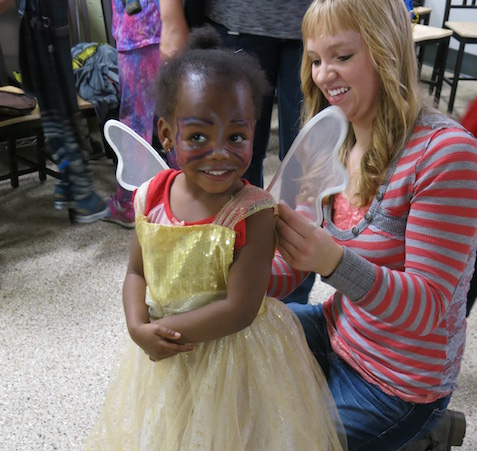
(138, 161)
(311, 170)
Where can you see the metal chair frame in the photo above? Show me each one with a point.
(465, 33)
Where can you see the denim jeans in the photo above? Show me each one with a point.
(280, 59)
(372, 419)
(302, 292)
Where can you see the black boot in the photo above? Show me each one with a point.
(448, 432)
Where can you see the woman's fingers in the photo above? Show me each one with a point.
(294, 234)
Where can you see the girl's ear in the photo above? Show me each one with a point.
(164, 133)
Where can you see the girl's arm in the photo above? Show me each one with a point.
(246, 287)
(151, 337)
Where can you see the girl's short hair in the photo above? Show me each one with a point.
(217, 66)
(386, 30)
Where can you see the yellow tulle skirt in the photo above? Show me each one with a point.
(257, 390)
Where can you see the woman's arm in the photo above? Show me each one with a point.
(246, 287)
(152, 337)
(441, 220)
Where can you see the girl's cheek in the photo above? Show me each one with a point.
(186, 154)
(249, 153)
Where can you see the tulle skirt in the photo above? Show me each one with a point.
(260, 389)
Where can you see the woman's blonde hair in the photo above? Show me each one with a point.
(386, 30)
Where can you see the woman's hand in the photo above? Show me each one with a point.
(157, 341)
(304, 246)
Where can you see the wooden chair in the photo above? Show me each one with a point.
(80, 31)
(22, 127)
(423, 36)
(465, 33)
(423, 13)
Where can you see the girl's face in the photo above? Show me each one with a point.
(212, 133)
(343, 71)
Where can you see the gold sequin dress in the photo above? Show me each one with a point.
(257, 390)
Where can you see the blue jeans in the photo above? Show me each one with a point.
(302, 292)
(372, 419)
(280, 59)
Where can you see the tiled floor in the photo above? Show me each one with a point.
(62, 322)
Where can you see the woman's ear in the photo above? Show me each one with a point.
(164, 133)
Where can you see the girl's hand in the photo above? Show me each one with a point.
(157, 341)
(304, 246)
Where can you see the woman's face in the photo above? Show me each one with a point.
(343, 71)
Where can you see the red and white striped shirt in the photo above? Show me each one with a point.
(398, 315)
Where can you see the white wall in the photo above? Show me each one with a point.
(437, 16)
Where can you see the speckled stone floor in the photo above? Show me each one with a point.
(61, 318)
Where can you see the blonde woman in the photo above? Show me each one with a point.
(398, 244)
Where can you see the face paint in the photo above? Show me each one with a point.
(208, 138)
(245, 154)
(212, 130)
(187, 150)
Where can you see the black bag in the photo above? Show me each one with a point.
(13, 104)
(194, 12)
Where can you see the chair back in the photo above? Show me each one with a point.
(457, 4)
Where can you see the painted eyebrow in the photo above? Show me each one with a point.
(197, 120)
(194, 120)
(240, 121)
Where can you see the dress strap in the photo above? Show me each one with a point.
(249, 200)
(140, 199)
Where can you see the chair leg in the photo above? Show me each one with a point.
(439, 69)
(40, 146)
(12, 151)
(420, 59)
(455, 80)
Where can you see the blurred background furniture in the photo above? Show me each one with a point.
(425, 35)
(423, 13)
(22, 144)
(33, 156)
(465, 32)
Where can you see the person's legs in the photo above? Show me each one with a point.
(266, 50)
(47, 72)
(137, 71)
(371, 418)
(289, 95)
(472, 293)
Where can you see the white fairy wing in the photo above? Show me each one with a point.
(311, 169)
(138, 161)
